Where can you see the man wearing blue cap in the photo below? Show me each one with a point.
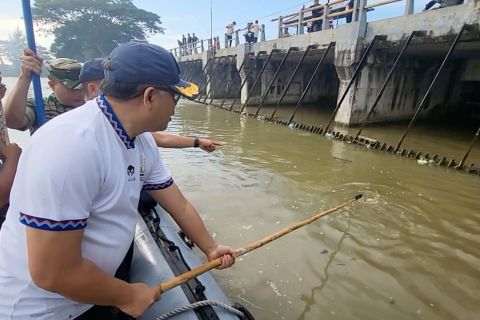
(73, 203)
(91, 77)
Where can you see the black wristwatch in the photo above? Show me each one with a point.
(196, 142)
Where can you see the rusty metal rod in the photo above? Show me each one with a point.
(387, 79)
(251, 67)
(355, 74)
(190, 66)
(289, 82)
(212, 68)
(258, 78)
(215, 84)
(273, 79)
(432, 84)
(304, 93)
(236, 74)
(204, 85)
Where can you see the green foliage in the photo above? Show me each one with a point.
(12, 48)
(85, 29)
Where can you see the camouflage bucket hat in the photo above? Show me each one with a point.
(65, 70)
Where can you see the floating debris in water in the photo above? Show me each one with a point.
(391, 300)
(337, 158)
(274, 288)
(291, 125)
(324, 251)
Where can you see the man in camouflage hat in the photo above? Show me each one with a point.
(63, 80)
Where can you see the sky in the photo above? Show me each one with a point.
(187, 16)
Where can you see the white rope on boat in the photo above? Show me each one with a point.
(199, 304)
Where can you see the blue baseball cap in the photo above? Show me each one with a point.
(92, 70)
(148, 64)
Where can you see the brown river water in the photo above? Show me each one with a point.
(408, 250)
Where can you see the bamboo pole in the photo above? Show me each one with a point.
(3, 125)
(3, 128)
(172, 283)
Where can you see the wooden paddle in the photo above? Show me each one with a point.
(184, 277)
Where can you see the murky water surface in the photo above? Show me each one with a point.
(408, 251)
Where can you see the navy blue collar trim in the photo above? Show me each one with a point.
(116, 125)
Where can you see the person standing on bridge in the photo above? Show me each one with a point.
(317, 12)
(230, 29)
(194, 43)
(255, 29)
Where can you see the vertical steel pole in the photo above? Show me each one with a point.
(355, 74)
(289, 82)
(252, 66)
(273, 79)
(304, 93)
(434, 81)
(387, 79)
(258, 77)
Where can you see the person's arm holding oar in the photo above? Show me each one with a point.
(189, 221)
(16, 104)
(169, 140)
(215, 263)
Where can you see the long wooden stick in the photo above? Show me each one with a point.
(3, 125)
(184, 277)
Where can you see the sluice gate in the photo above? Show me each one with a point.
(418, 66)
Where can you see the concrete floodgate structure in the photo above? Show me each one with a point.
(364, 72)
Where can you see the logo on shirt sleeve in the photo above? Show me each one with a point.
(142, 167)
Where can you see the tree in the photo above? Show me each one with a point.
(11, 50)
(85, 29)
(13, 47)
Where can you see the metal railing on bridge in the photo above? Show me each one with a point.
(207, 44)
(324, 16)
(196, 47)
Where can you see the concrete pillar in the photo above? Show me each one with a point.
(242, 51)
(300, 22)
(409, 7)
(325, 21)
(280, 27)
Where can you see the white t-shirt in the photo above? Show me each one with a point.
(80, 171)
(229, 28)
(255, 28)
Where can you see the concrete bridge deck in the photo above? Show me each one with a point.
(222, 73)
